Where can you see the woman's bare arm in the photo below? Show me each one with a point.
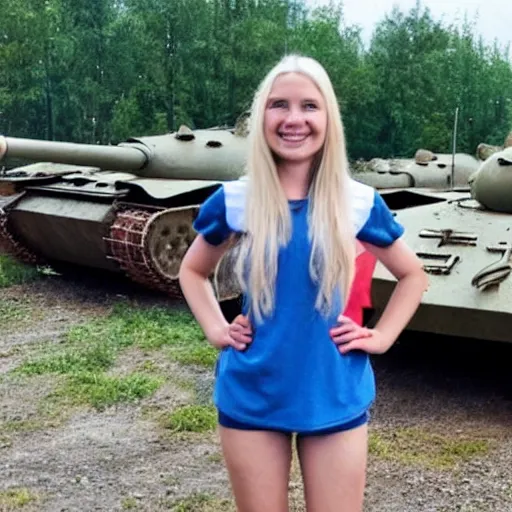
(403, 263)
(197, 265)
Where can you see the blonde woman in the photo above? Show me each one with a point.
(294, 364)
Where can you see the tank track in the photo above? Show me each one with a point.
(9, 244)
(149, 243)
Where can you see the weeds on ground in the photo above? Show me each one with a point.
(28, 425)
(70, 360)
(13, 313)
(5, 440)
(32, 408)
(202, 502)
(89, 350)
(434, 450)
(192, 418)
(201, 354)
(13, 272)
(149, 329)
(12, 499)
(102, 391)
(129, 504)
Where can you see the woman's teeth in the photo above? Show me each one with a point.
(292, 137)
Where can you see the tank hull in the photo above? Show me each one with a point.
(108, 220)
(433, 318)
(454, 304)
(64, 229)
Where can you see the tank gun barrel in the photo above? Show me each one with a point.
(106, 157)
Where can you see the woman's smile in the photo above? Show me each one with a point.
(294, 137)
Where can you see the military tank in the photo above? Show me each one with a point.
(464, 239)
(129, 208)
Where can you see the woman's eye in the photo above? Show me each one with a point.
(310, 106)
(278, 104)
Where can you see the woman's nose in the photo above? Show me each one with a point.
(294, 116)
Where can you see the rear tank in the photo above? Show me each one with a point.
(425, 170)
(464, 238)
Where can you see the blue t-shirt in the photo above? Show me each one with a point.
(292, 376)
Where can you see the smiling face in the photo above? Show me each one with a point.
(295, 122)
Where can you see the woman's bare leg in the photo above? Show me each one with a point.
(258, 463)
(334, 470)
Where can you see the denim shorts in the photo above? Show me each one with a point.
(229, 422)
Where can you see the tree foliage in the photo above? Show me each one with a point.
(99, 71)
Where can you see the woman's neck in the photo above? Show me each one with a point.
(295, 179)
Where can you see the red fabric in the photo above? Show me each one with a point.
(360, 293)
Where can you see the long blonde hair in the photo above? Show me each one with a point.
(267, 215)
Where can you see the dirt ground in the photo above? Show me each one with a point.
(441, 428)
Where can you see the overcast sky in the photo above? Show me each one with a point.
(494, 16)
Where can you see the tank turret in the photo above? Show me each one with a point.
(491, 185)
(425, 170)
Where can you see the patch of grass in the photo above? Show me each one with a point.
(192, 418)
(216, 458)
(5, 441)
(199, 355)
(185, 383)
(129, 504)
(147, 328)
(89, 350)
(70, 360)
(148, 366)
(170, 480)
(40, 411)
(13, 272)
(28, 425)
(417, 446)
(16, 498)
(4, 354)
(202, 502)
(13, 313)
(94, 345)
(102, 391)
(10, 352)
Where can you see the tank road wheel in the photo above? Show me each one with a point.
(149, 245)
(168, 238)
(224, 279)
(9, 244)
